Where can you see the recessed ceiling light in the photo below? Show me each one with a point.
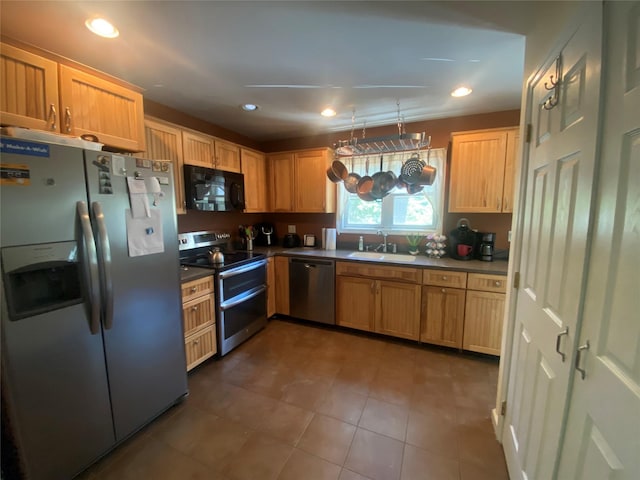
(249, 107)
(101, 26)
(461, 92)
(328, 112)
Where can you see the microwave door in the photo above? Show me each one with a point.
(236, 194)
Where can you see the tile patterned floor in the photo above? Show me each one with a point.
(300, 402)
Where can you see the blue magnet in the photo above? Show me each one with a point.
(149, 230)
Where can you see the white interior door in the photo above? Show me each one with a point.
(602, 438)
(557, 205)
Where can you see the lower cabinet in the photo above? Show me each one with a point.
(282, 285)
(356, 302)
(484, 312)
(443, 296)
(442, 316)
(271, 287)
(198, 309)
(364, 300)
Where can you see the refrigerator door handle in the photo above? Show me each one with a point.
(91, 263)
(105, 264)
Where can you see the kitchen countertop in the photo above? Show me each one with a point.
(193, 273)
(497, 267)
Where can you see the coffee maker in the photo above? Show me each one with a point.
(486, 246)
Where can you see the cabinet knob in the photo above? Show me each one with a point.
(444, 277)
(196, 342)
(498, 283)
(194, 289)
(194, 308)
(444, 291)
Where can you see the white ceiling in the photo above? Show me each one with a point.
(294, 58)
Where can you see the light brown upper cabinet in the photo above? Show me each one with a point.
(254, 168)
(298, 182)
(227, 156)
(41, 94)
(482, 169)
(164, 142)
(198, 149)
(281, 167)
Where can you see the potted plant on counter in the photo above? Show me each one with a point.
(414, 243)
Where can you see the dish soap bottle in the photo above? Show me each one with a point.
(361, 244)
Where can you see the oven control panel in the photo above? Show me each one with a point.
(191, 240)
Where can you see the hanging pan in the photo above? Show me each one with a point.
(337, 172)
(428, 174)
(365, 185)
(411, 169)
(352, 180)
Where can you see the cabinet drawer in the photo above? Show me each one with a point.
(196, 288)
(198, 313)
(443, 278)
(378, 271)
(200, 346)
(487, 283)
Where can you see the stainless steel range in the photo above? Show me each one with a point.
(240, 285)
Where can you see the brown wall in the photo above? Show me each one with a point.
(440, 131)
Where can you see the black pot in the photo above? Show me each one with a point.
(291, 240)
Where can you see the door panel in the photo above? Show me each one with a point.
(602, 438)
(557, 211)
(144, 348)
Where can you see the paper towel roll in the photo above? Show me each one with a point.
(331, 234)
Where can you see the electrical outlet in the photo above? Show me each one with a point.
(509, 236)
(292, 229)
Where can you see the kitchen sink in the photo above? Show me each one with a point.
(386, 257)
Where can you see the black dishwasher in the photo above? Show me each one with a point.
(312, 290)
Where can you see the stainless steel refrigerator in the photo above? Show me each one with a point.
(92, 342)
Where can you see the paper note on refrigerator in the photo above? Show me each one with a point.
(144, 235)
(138, 197)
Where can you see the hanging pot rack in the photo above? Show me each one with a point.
(402, 142)
(413, 179)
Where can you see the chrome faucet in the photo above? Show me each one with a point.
(384, 241)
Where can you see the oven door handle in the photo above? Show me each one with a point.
(243, 269)
(237, 300)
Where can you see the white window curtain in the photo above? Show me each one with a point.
(435, 193)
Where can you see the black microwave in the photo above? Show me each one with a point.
(212, 190)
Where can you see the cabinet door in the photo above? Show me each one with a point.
(282, 285)
(200, 346)
(254, 168)
(198, 313)
(29, 90)
(313, 190)
(356, 302)
(442, 319)
(281, 182)
(477, 172)
(513, 139)
(399, 309)
(271, 287)
(91, 105)
(483, 322)
(227, 156)
(164, 142)
(197, 149)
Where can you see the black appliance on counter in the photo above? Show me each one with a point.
(265, 235)
(240, 285)
(486, 246)
(291, 240)
(463, 241)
